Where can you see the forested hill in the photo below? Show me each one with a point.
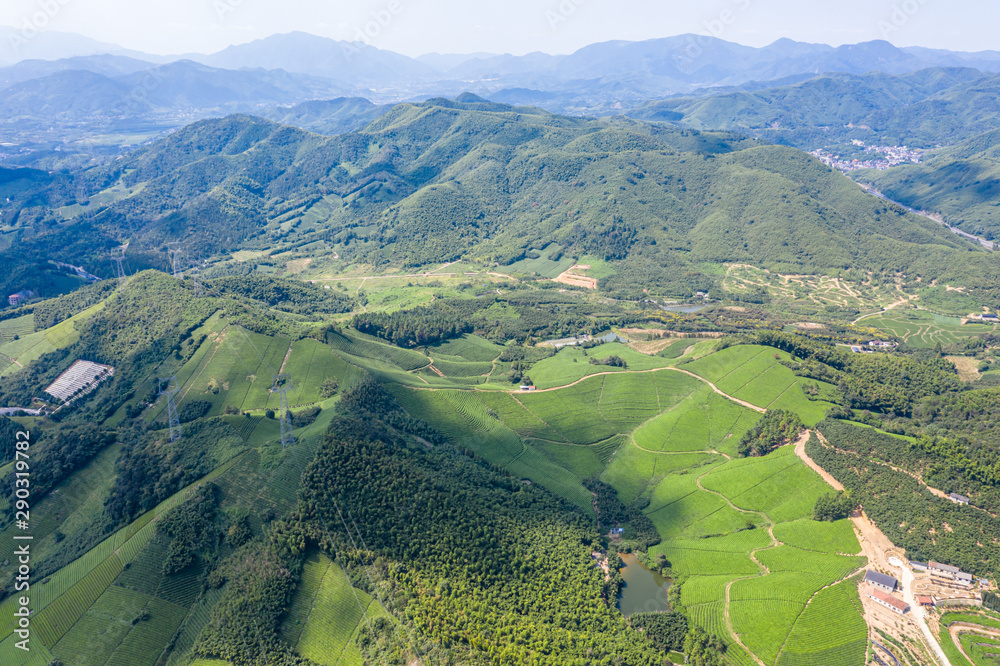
(927, 108)
(962, 182)
(447, 179)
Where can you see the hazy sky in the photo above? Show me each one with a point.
(414, 27)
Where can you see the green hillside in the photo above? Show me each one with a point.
(431, 509)
(447, 180)
(961, 182)
(462, 450)
(924, 109)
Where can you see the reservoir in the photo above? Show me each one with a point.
(645, 591)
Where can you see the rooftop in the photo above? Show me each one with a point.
(887, 598)
(82, 375)
(880, 579)
(943, 567)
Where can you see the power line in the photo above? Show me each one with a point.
(368, 573)
(168, 387)
(364, 611)
(119, 268)
(282, 383)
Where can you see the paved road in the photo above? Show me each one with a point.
(989, 245)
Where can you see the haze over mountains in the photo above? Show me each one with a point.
(613, 70)
(70, 101)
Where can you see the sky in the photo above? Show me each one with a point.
(414, 27)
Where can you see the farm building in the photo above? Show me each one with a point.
(925, 601)
(80, 378)
(964, 579)
(889, 601)
(881, 580)
(918, 566)
(617, 531)
(20, 297)
(945, 570)
(958, 499)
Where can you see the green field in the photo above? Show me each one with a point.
(661, 438)
(541, 264)
(572, 363)
(976, 645)
(925, 329)
(326, 613)
(31, 345)
(754, 373)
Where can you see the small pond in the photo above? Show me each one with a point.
(685, 308)
(644, 590)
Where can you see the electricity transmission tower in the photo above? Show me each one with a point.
(175, 259)
(282, 384)
(168, 387)
(119, 268)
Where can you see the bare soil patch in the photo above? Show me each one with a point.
(575, 279)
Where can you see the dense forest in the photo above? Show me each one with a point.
(439, 521)
(909, 514)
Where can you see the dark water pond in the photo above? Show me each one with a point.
(644, 591)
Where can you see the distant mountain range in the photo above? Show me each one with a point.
(65, 89)
(621, 71)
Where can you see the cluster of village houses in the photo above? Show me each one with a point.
(873, 345)
(879, 587)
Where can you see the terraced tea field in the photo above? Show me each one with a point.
(925, 329)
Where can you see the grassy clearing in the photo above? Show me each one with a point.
(33, 345)
(572, 363)
(148, 638)
(310, 364)
(469, 347)
(755, 374)
(703, 421)
(541, 263)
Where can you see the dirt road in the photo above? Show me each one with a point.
(879, 550)
(955, 629)
(686, 372)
